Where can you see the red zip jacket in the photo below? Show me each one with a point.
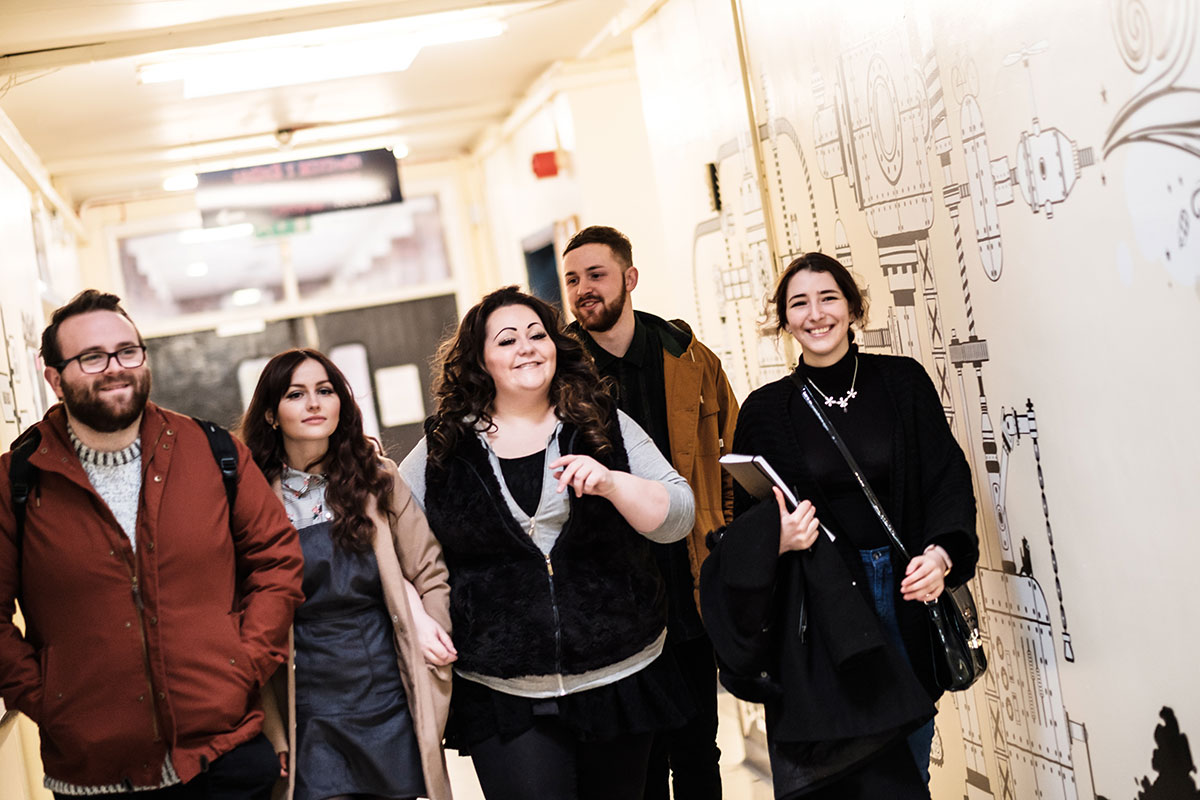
(126, 656)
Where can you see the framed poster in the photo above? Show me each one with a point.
(8, 400)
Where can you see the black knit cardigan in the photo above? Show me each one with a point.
(596, 599)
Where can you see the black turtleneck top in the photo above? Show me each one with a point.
(867, 426)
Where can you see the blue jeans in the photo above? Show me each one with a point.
(878, 566)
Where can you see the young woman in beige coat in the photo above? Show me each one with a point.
(360, 709)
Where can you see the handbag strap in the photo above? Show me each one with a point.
(876, 506)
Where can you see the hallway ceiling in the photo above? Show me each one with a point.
(69, 81)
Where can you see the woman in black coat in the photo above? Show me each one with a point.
(829, 629)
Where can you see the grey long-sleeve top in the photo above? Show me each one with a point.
(645, 461)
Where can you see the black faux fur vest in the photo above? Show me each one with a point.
(595, 600)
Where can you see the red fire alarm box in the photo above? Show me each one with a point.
(545, 164)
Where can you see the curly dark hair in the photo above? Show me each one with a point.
(352, 464)
(464, 391)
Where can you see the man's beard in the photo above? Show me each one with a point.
(601, 318)
(103, 416)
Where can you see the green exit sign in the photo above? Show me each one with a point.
(284, 227)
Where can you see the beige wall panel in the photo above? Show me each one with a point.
(605, 177)
(519, 204)
(22, 402)
(1018, 185)
(612, 158)
(695, 116)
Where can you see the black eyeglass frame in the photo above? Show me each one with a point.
(60, 366)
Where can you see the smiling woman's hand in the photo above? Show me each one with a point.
(584, 474)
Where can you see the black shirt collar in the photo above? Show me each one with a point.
(635, 356)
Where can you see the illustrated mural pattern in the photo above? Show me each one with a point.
(1022, 698)
(1159, 122)
(879, 135)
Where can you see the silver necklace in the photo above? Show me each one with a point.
(845, 399)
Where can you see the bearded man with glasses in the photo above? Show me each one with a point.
(92, 395)
(154, 611)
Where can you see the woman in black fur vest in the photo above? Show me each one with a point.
(829, 629)
(545, 500)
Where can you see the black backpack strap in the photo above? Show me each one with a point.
(225, 454)
(22, 477)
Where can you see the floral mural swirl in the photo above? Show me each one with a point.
(1163, 111)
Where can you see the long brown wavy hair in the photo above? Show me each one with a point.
(351, 462)
(464, 391)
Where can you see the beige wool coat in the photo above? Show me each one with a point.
(403, 549)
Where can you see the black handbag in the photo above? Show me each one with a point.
(958, 657)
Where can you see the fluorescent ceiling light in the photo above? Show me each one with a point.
(180, 183)
(266, 69)
(202, 235)
(345, 52)
(246, 297)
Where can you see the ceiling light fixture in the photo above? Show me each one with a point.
(292, 59)
(183, 182)
(246, 297)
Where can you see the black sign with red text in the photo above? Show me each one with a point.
(267, 193)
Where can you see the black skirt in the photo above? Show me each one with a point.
(652, 699)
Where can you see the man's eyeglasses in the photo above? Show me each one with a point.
(95, 362)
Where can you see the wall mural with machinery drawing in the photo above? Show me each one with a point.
(938, 150)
